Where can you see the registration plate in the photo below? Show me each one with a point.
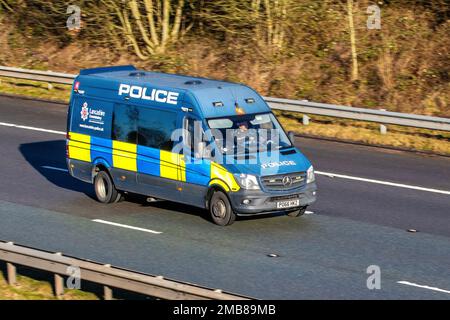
(288, 204)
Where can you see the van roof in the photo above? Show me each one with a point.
(206, 91)
(130, 73)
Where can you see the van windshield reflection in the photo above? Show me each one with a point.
(249, 133)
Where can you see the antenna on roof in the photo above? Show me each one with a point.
(237, 108)
(234, 97)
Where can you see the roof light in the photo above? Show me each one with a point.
(137, 74)
(218, 104)
(191, 82)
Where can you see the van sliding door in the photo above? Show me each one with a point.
(158, 167)
(124, 147)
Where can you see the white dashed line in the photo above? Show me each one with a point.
(386, 183)
(55, 168)
(12, 125)
(328, 174)
(309, 212)
(423, 286)
(126, 226)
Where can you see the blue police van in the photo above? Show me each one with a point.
(210, 144)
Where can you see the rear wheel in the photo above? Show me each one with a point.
(298, 212)
(220, 209)
(105, 190)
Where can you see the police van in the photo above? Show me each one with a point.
(205, 143)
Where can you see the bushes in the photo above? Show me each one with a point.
(289, 48)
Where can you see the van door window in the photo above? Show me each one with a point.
(188, 133)
(155, 128)
(125, 122)
(193, 133)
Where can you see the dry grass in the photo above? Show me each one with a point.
(409, 138)
(357, 131)
(29, 289)
(34, 89)
(403, 67)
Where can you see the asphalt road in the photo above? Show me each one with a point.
(355, 223)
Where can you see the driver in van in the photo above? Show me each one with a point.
(243, 133)
(243, 126)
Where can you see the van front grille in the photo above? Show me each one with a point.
(284, 198)
(281, 182)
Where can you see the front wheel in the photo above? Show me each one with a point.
(220, 209)
(297, 213)
(105, 190)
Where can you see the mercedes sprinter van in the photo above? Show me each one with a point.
(210, 144)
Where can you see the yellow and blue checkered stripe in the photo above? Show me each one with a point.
(145, 160)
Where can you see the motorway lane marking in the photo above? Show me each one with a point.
(386, 183)
(309, 212)
(126, 226)
(332, 175)
(55, 168)
(5, 124)
(328, 174)
(423, 286)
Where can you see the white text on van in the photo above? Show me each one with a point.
(155, 94)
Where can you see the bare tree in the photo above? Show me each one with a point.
(149, 25)
(4, 4)
(274, 17)
(266, 21)
(352, 40)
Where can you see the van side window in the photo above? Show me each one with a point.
(125, 123)
(188, 133)
(155, 128)
(90, 116)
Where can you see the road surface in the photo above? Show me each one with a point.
(368, 199)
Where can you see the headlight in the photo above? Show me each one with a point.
(310, 175)
(247, 181)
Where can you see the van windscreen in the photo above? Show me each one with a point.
(248, 133)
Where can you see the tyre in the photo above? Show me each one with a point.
(220, 209)
(298, 212)
(105, 190)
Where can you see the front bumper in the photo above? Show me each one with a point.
(266, 202)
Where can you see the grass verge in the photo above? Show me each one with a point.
(34, 89)
(368, 133)
(342, 129)
(30, 289)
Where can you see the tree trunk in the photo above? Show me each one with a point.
(352, 40)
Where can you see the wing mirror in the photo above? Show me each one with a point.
(291, 136)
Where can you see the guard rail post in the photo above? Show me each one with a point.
(11, 273)
(107, 291)
(59, 282)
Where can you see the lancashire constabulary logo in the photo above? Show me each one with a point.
(84, 111)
